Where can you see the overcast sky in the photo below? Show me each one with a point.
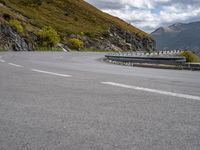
(151, 14)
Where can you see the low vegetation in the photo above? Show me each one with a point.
(3, 49)
(32, 3)
(190, 56)
(75, 44)
(16, 25)
(49, 37)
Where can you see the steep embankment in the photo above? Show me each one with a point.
(72, 19)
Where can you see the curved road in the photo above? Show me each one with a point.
(74, 101)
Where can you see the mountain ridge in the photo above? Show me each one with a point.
(178, 36)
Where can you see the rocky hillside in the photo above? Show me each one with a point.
(178, 36)
(29, 24)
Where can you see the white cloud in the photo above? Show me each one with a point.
(137, 4)
(151, 14)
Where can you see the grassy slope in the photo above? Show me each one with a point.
(68, 16)
(190, 57)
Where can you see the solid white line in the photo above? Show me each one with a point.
(51, 73)
(15, 65)
(2, 61)
(153, 91)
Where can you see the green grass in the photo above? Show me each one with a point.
(38, 49)
(68, 16)
(76, 43)
(17, 25)
(190, 57)
(3, 49)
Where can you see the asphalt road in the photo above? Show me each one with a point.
(73, 101)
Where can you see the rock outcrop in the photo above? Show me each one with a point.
(119, 39)
(12, 40)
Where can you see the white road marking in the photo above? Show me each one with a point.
(15, 65)
(51, 73)
(153, 91)
(2, 61)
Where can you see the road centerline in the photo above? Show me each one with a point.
(15, 65)
(185, 96)
(50, 73)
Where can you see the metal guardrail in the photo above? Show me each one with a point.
(142, 53)
(160, 57)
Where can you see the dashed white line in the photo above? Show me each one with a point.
(153, 91)
(15, 65)
(2, 61)
(51, 73)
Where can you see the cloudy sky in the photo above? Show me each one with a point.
(151, 14)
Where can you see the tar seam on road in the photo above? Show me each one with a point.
(50, 73)
(153, 91)
(15, 65)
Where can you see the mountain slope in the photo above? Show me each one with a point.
(178, 36)
(75, 18)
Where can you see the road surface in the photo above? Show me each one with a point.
(74, 101)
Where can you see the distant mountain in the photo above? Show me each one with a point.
(178, 36)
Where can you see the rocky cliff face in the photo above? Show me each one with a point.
(119, 39)
(11, 40)
(130, 41)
